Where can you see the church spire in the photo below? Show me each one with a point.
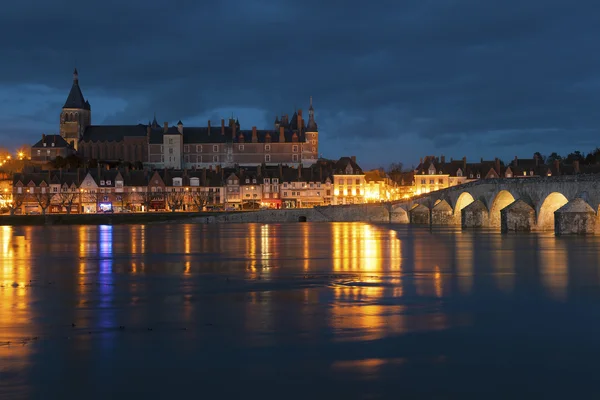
(75, 76)
(75, 98)
(312, 125)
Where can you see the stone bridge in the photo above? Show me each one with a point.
(565, 204)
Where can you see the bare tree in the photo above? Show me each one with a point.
(13, 201)
(174, 200)
(200, 198)
(44, 199)
(66, 200)
(123, 198)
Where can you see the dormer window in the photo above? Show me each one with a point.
(247, 180)
(459, 173)
(52, 144)
(102, 183)
(177, 181)
(253, 180)
(44, 144)
(478, 176)
(266, 180)
(470, 176)
(108, 182)
(194, 181)
(524, 173)
(275, 181)
(508, 175)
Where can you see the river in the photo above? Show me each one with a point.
(313, 310)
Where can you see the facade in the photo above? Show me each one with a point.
(50, 147)
(348, 182)
(292, 141)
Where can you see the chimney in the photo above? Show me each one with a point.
(443, 159)
(222, 126)
(481, 160)
(421, 160)
(281, 134)
(299, 119)
(203, 176)
(464, 168)
(557, 167)
(43, 138)
(180, 127)
(208, 126)
(300, 171)
(281, 172)
(353, 158)
(498, 165)
(576, 166)
(107, 167)
(535, 157)
(516, 161)
(254, 136)
(233, 130)
(165, 127)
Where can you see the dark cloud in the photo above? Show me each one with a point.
(468, 76)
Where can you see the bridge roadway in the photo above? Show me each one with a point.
(565, 204)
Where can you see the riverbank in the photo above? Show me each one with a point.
(105, 219)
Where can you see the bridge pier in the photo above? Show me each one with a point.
(420, 215)
(575, 218)
(475, 215)
(442, 214)
(518, 216)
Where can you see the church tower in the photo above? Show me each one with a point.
(312, 136)
(76, 114)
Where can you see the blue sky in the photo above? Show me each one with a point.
(391, 80)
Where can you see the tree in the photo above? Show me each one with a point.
(66, 200)
(123, 198)
(174, 200)
(395, 171)
(593, 157)
(200, 198)
(575, 156)
(12, 201)
(44, 199)
(553, 157)
(541, 158)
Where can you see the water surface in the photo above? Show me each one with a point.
(315, 310)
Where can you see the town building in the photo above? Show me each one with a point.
(50, 147)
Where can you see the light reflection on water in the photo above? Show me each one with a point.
(342, 298)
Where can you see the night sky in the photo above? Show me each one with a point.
(391, 80)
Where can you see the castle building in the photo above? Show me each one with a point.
(290, 142)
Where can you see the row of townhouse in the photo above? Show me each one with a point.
(123, 190)
(434, 173)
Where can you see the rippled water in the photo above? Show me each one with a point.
(296, 311)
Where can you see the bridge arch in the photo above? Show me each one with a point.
(551, 203)
(503, 199)
(463, 200)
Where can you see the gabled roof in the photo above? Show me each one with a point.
(57, 140)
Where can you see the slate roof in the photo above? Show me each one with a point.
(112, 133)
(59, 142)
(75, 98)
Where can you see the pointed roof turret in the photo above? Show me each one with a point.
(75, 98)
(294, 121)
(276, 119)
(237, 123)
(312, 125)
(155, 122)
